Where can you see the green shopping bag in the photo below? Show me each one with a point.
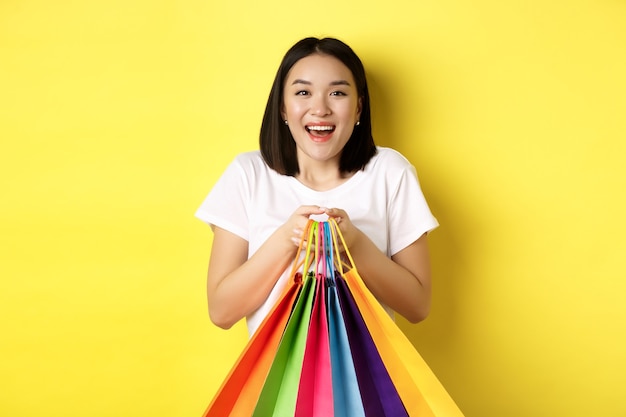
(315, 393)
(280, 391)
(240, 391)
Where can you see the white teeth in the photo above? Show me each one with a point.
(320, 128)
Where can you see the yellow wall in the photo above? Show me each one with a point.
(117, 116)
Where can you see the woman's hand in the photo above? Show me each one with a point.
(238, 286)
(409, 291)
(295, 226)
(348, 229)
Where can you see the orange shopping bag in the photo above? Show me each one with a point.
(238, 395)
(422, 393)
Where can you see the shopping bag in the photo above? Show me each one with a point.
(380, 397)
(315, 392)
(240, 390)
(279, 394)
(346, 394)
(421, 392)
(327, 318)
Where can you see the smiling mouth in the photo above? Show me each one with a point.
(320, 131)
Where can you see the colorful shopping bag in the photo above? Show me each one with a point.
(421, 392)
(380, 397)
(279, 394)
(240, 391)
(315, 392)
(346, 394)
(328, 348)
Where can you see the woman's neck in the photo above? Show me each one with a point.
(322, 177)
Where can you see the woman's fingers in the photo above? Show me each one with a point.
(298, 237)
(299, 221)
(306, 211)
(336, 213)
(348, 230)
(300, 218)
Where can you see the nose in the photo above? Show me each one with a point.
(319, 106)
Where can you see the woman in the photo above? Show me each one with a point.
(316, 151)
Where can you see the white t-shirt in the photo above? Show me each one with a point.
(384, 200)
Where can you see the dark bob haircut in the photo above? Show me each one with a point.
(277, 145)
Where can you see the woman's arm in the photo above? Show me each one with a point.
(402, 282)
(236, 285)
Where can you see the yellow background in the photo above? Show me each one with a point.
(116, 117)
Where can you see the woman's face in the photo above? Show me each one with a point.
(321, 106)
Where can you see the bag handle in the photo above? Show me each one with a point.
(329, 251)
(318, 245)
(336, 233)
(304, 263)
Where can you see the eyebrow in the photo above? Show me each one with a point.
(333, 83)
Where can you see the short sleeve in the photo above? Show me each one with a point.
(409, 214)
(227, 202)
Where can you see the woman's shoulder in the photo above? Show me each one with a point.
(249, 158)
(389, 159)
(251, 168)
(251, 162)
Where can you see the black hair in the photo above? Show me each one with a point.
(276, 142)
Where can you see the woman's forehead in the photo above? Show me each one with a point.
(320, 69)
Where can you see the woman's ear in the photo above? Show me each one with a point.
(359, 109)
